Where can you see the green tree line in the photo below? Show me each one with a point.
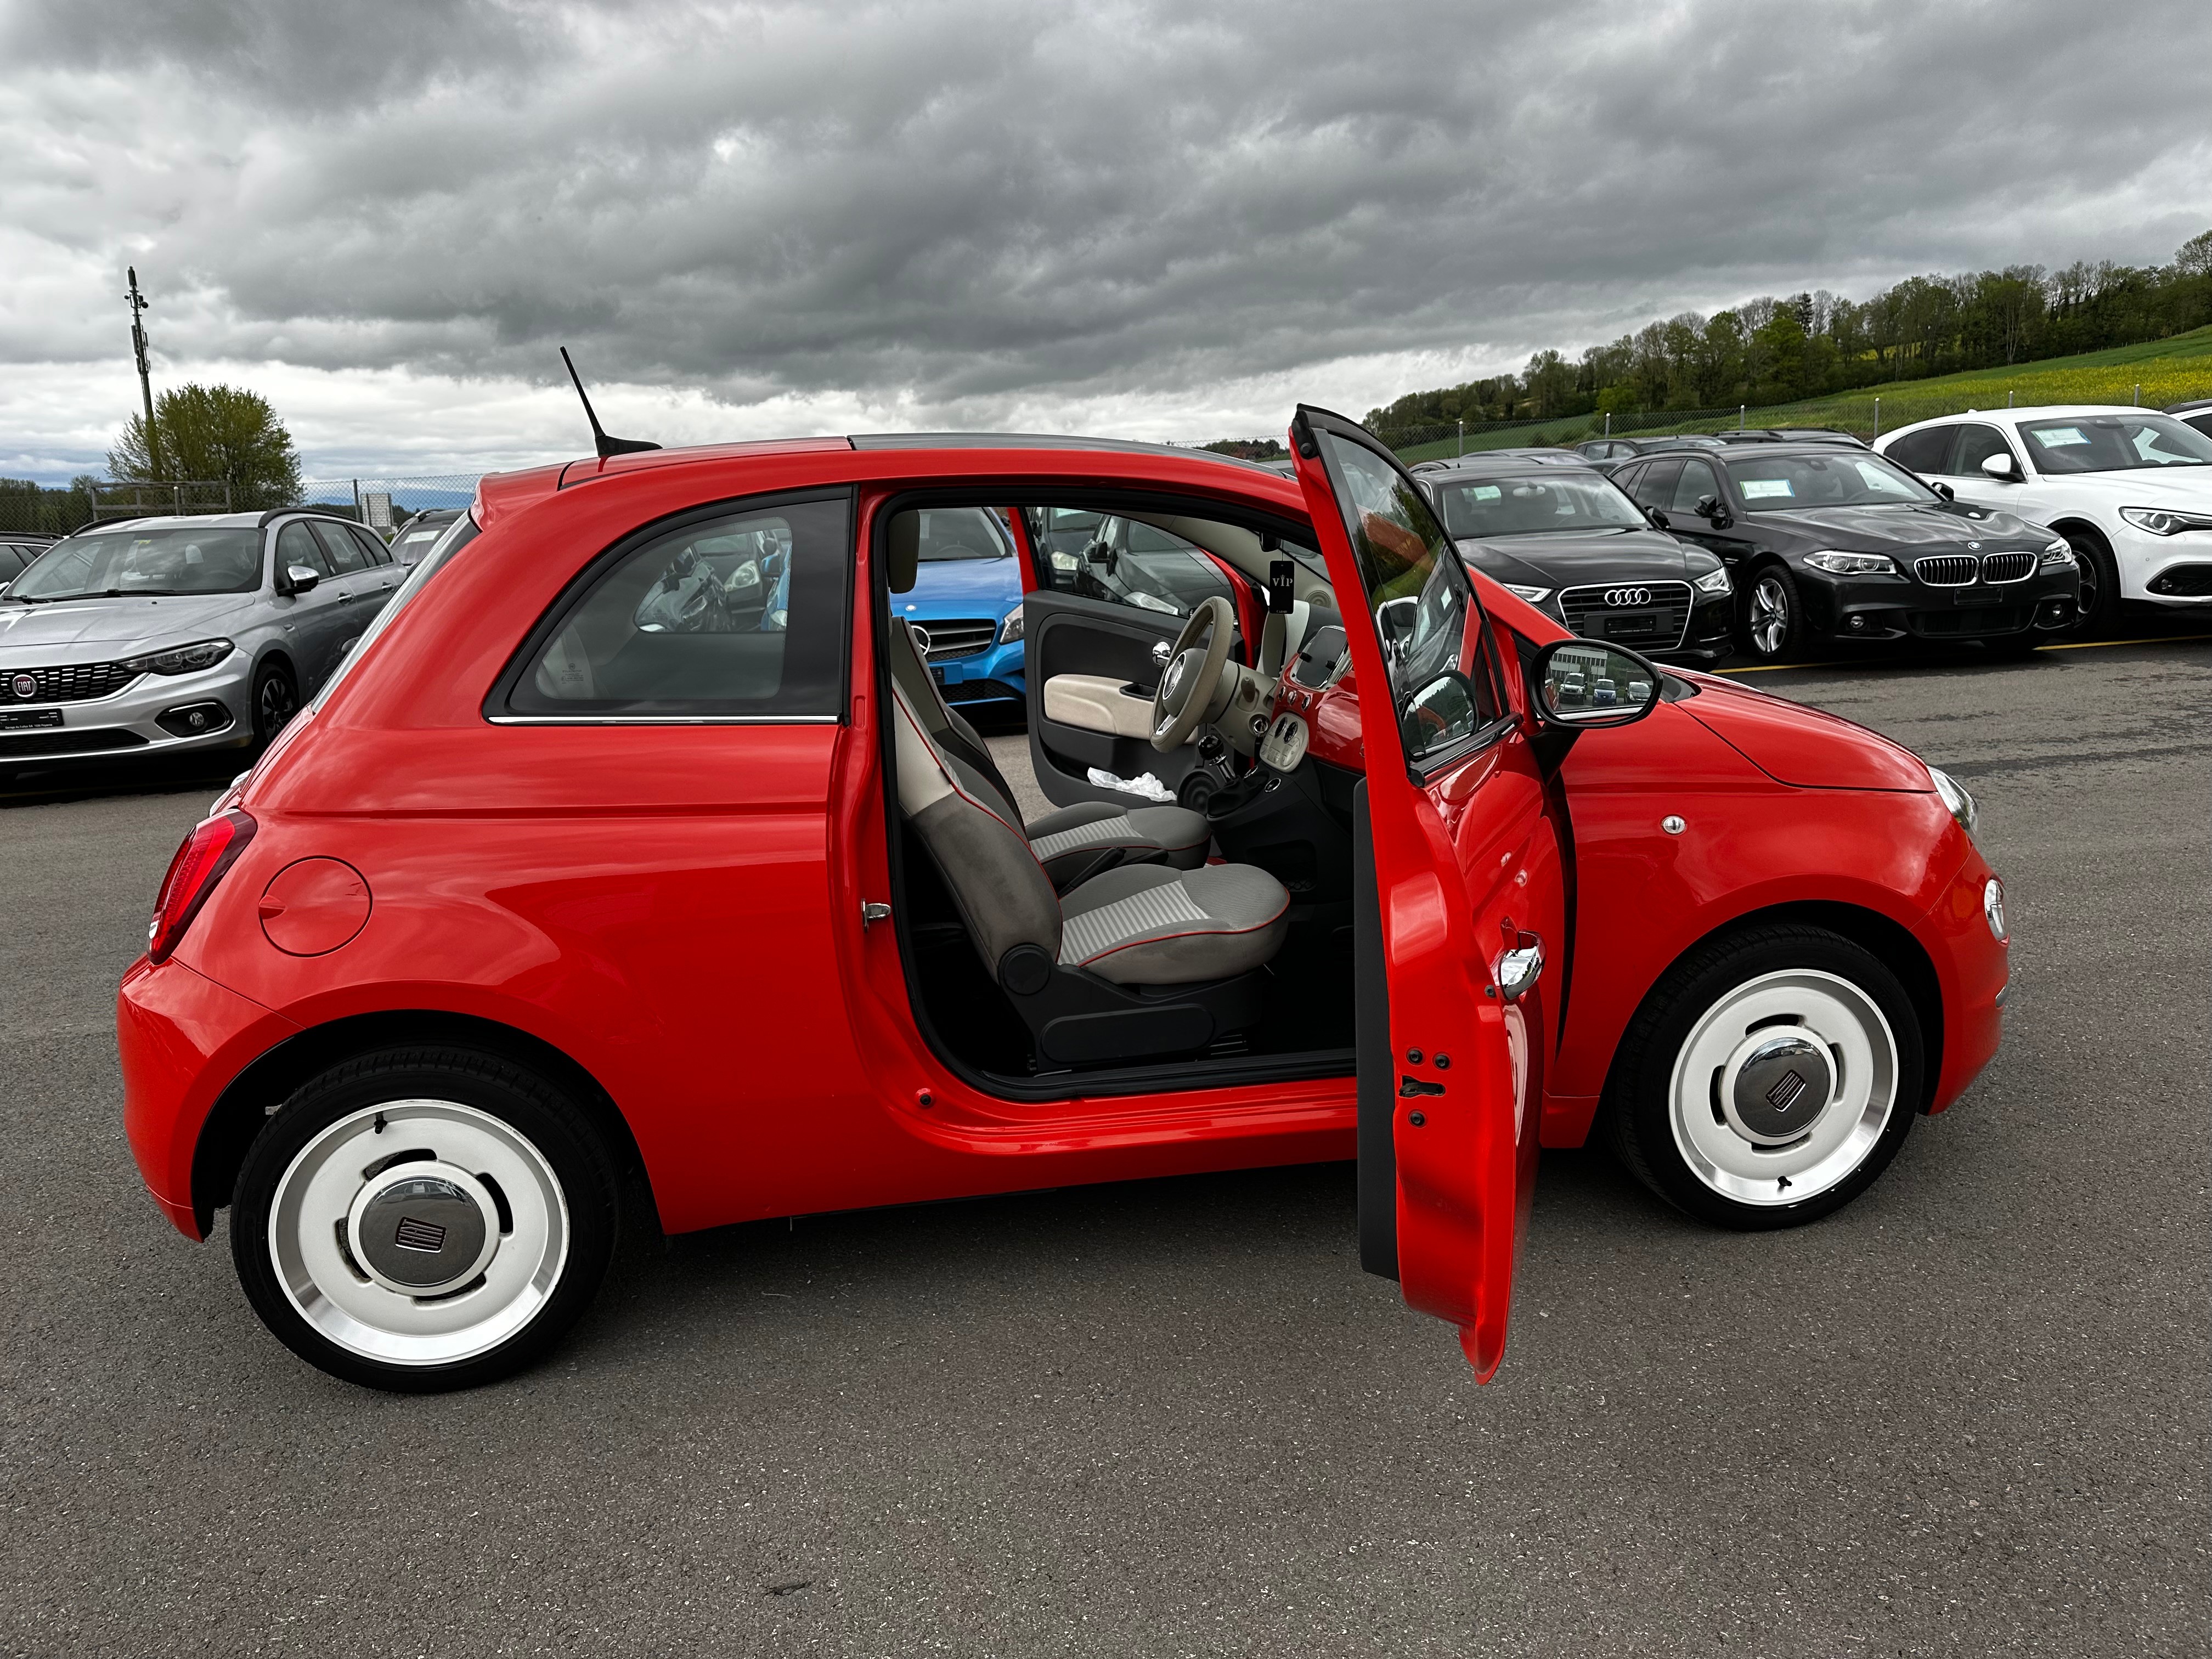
(1771, 350)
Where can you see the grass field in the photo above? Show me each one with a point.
(2159, 372)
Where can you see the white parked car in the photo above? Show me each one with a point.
(2129, 489)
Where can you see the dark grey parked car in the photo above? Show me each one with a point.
(170, 633)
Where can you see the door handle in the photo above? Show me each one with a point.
(1161, 651)
(1520, 967)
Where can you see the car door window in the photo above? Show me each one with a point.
(373, 550)
(1655, 484)
(1696, 483)
(1924, 452)
(297, 546)
(345, 553)
(1977, 443)
(1125, 562)
(738, 616)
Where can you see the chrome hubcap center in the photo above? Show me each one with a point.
(1775, 1086)
(422, 1229)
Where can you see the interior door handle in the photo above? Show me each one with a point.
(1520, 967)
(1161, 651)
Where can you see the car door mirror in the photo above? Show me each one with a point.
(1709, 507)
(1438, 714)
(1658, 517)
(1944, 490)
(1999, 467)
(1581, 682)
(298, 579)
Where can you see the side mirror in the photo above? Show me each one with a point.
(298, 579)
(1099, 553)
(1942, 489)
(2000, 467)
(1658, 517)
(1438, 715)
(1709, 507)
(1581, 682)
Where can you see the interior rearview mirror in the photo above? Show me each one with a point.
(1998, 466)
(1583, 683)
(299, 579)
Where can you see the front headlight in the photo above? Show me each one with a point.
(1533, 595)
(1853, 564)
(1955, 797)
(1010, 629)
(183, 659)
(2163, 520)
(1714, 581)
(2056, 553)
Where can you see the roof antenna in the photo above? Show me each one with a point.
(606, 446)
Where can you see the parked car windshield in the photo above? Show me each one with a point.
(1533, 506)
(2114, 443)
(963, 532)
(182, 559)
(1781, 482)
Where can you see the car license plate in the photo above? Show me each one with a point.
(15, 720)
(1631, 627)
(1974, 596)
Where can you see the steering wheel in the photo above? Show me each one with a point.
(1194, 673)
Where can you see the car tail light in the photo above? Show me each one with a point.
(211, 848)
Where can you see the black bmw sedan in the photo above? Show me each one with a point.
(1565, 539)
(1832, 544)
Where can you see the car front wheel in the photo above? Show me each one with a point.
(1768, 1079)
(275, 700)
(1774, 612)
(2099, 606)
(423, 1219)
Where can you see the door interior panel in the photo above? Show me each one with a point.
(1103, 643)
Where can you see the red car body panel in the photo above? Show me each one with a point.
(677, 909)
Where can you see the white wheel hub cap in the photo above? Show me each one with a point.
(1784, 1087)
(419, 1232)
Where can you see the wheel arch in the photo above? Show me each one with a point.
(246, 1101)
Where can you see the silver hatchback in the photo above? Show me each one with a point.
(159, 635)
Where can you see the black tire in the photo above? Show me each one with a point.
(1770, 622)
(276, 700)
(2099, 607)
(526, 1106)
(1639, 1097)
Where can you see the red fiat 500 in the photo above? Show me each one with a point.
(639, 837)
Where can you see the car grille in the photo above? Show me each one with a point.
(15, 746)
(1961, 569)
(1953, 625)
(965, 637)
(76, 682)
(1645, 615)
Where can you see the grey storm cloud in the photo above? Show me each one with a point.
(971, 206)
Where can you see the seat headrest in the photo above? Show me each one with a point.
(904, 550)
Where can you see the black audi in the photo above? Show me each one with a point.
(1832, 544)
(1566, 540)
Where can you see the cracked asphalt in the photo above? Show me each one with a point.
(1966, 1416)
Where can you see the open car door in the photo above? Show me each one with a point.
(1469, 891)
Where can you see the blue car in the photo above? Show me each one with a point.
(967, 599)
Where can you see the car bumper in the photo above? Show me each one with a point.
(182, 1039)
(1896, 608)
(1708, 636)
(129, 721)
(1973, 968)
(991, 676)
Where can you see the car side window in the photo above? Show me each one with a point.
(345, 553)
(1654, 486)
(297, 546)
(741, 616)
(1125, 562)
(1924, 452)
(11, 564)
(376, 552)
(1977, 443)
(1696, 483)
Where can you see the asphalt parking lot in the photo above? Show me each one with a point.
(1966, 1416)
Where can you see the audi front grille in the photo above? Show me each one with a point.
(76, 682)
(1643, 616)
(967, 637)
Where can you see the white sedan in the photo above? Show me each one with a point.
(2129, 489)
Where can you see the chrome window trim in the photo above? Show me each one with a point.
(665, 720)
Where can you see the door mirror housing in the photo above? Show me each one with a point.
(1657, 516)
(298, 579)
(1942, 489)
(2001, 468)
(1438, 715)
(1709, 507)
(1579, 682)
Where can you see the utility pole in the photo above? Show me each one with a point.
(145, 382)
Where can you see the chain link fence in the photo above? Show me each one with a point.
(384, 504)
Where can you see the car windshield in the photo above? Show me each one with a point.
(2114, 443)
(1533, 506)
(180, 560)
(963, 532)
(1779, 484)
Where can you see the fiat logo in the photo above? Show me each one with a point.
(24, 685)
(1617, 598)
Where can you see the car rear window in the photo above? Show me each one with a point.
(736, 616)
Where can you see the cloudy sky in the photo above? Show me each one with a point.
(1154, 221)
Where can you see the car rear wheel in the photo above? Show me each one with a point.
(1768, 1079)
(423, 1219)
(2099, 606)
(1774, 613)
(275, 700)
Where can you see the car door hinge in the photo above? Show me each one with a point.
(872, 913)
(1409, 1087)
